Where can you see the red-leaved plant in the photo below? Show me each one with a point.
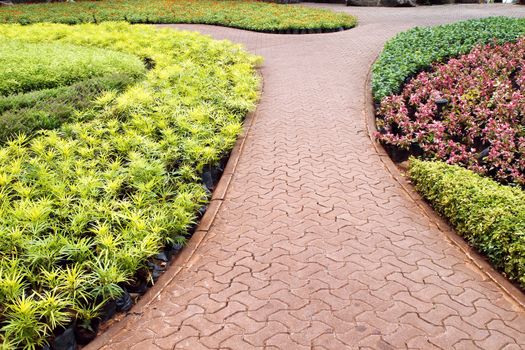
(480, 123)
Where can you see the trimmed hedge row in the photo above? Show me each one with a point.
(490, 216)
(244, 14)
(416, 49)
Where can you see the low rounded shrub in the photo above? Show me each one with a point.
(243, 14)
(469, 111)
(83, 208)
(414, 50)
(490, 216)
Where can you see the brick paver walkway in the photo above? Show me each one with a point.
(316, 245)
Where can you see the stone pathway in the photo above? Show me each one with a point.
(316, 245)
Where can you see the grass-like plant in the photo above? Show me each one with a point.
(244, 14)
(83, 207)
(45, 84)
(49, 108)
(30, 66)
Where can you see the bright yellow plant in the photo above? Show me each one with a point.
(86, 205)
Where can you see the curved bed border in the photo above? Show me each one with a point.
(184, 259)
(471, 254)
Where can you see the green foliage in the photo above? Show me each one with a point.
(34, 66)
(83, 207)
(417, 49)
(45, 84)
(50, 108)
(244, 14)
(490, 216)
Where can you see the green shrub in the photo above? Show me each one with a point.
(83, 207)
(244, 14)
(490, 216)
(33, 66)
(417, 49)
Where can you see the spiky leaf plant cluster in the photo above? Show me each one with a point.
(33, 66)
(50, 108)
(43, 85)
(83, 207)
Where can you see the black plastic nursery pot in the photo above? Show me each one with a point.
(86, 333)
(212, 174)
(65, 340)
(108, 311)
(309, 31)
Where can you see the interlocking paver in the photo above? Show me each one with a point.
(316, 246)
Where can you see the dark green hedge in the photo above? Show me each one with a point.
(416, 49)
(490, 216)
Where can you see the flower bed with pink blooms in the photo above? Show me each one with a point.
(469, 111)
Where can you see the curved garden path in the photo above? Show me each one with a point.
(316, 246)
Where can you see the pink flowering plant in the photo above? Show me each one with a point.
(469, 111)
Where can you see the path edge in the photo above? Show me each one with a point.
(183, 259)
(509, 289)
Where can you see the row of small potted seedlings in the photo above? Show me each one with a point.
(77, 335)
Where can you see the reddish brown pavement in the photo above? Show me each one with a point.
(316, 245)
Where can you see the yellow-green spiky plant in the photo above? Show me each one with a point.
(83, 207)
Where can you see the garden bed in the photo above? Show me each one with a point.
(417, 49)
(469, 111)
(243, 14)
(490, 216)
(92, 209)
(43, 85)
(459, 99)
